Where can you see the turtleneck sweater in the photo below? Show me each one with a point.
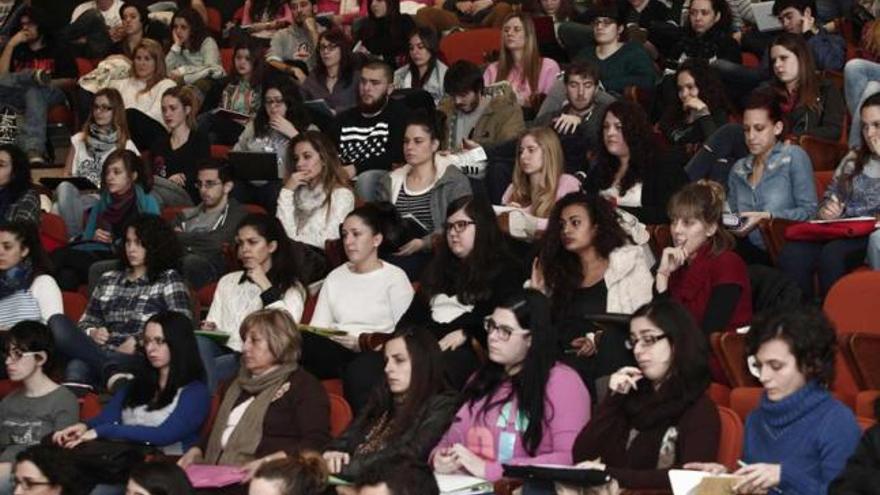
(810, 433)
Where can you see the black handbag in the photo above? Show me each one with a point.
(108, 461)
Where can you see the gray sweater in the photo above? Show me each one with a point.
(24, 421)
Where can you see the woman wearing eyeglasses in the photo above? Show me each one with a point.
(44, 470)
(471, 273)
(166, 402)
(522, 406)
(40, 406)
(334, 78)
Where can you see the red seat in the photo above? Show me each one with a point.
(220, 151)
(731, 442)
(74, 305)
(226, 57)
(205, 295)
(333, 386)
(473, 45)
(744, 399)
(85, 65)
(215, 20)
(89, 406)
(340, 414)
(720, 394)
(7, 386)
(53, 232)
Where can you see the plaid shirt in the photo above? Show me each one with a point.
(124, 306)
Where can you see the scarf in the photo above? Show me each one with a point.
(307, 201)
(117, 208)
(248, 433)
(99, 143)
(16, 278)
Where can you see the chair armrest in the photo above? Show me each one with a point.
(773, 233)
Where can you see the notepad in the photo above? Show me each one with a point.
(687, 482)
(210, 476)
(460, 484)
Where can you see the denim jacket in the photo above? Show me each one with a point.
(786, 190)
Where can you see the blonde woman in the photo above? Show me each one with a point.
(316, 197)
(538, 181)
(520, 62)
(142, 94)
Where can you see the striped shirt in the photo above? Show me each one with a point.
(124, 305)
(417, 205)
(18, 306)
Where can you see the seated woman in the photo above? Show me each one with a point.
(302, 474)
(812, 106)
(707, 34)
(273, 270)
(363, 295)
(406, 414)
(538, 178)
(471, 273)
(156, 477)
(621, 64)
(240, 97)
(104, 341)
(39, 406)
(383, 33)
(701, 271)
(27, 291)
(137, 25)
(142, 94)
(334, 78)
(316, 196)
(166, 401)
(699, 108)
(124, 188)
(587, 265)
(521, 64)
(664, 399)
(854, 192)
(422, 189)
(448, 14)
(104, 131)
(261, 19)
(511, 411)
(18, 199)
(194, 57)
(273, 408)
(423, 69)
(176, 157)
(47, 467)
(280, 118)
(628, 170)
(774, 180)
(799, 437)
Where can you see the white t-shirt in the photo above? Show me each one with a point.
(111, 16)
(88, 166)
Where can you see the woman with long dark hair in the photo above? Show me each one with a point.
(384, 31)
(523, 406)
(335, 77)
(18, 199)
(27, 291)
(423, 69)
(194, 57)
(471, 273)
(707, 34)
(406, 414)
(241, 96)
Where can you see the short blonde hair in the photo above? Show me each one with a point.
(279, 330)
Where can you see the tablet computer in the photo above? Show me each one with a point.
(81, 183)
(254, 165)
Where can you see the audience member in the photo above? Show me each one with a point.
(799, 17)
(261, 19)
(137, 25)
(423, 69)
(239, 98)
(104, 341)
(27, 291)
(450, 14)
(158, 478)
(45, 467)
(273, 408)
(272, 277)
(316, 197)
(303, 474)
(707, 34)
(19, 201)
(94, 26)
(511, 411)
(194, 57)
(383, 33)
(860, 475)
(292, 50)
(105, 130)
(399, 476)
(798, 438)
(407, 412)
(335, 79)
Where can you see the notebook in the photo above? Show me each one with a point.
(254, 165)
(764, 17)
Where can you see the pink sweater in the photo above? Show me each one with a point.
(567, 184)
(549, 70)
(567, 411)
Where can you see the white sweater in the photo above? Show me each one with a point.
(43, 297)
(150, 102)
(363, 302)
(233, 301)
(318, 226)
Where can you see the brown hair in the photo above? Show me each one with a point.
(279, 330)
(541, 197)
(704, 201)
(302, 474)
(531, 59)
(333, 176)
(187, 98)
(154, 49)
(808, 82)
(120, 124)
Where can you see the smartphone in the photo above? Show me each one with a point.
(732, 221)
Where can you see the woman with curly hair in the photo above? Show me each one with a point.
(799, 437)
(628, 170)
(587, 265)
(194, 57)
(105, 338)
(334, 78)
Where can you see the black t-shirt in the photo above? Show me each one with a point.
(49, 58)
(372, 143)
(168, 161)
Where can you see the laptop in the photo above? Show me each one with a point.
(81, 183)
(254, 165)
(764, 18)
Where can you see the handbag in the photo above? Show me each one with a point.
(108, 461)
(829, 231)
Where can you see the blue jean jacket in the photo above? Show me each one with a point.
(786, 190)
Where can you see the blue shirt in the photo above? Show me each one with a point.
(786, 189)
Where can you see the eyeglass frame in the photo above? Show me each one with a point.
(458, 226)
(28, 485)
(7, 355)
(648, 341)
(491, 326)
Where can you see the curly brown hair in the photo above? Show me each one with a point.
(638, 135)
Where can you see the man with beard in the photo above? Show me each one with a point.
(292, 50)
(370, 135)
(578, 121)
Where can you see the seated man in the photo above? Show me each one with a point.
(799, 17)
(95, 25)
(292, 50)
(33, 69)
(370, 136)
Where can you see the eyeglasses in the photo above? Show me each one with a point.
(504, 331)
(158, 341)
(647, 341)
(459, 226)
(274, 101)
(327, 47)
(208, 184)
(103, 108)
(15, 355)
(27, 484)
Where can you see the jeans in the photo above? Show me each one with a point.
(169, 193)
(718, 154)
(20, 91)
(91, 26)
(91, 363)
(874, 250)
(830, 260)
(71, 205)
(860, 80)
(221, 363)
(738, 79)
(367, 184)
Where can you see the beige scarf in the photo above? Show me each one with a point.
(246, 437)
